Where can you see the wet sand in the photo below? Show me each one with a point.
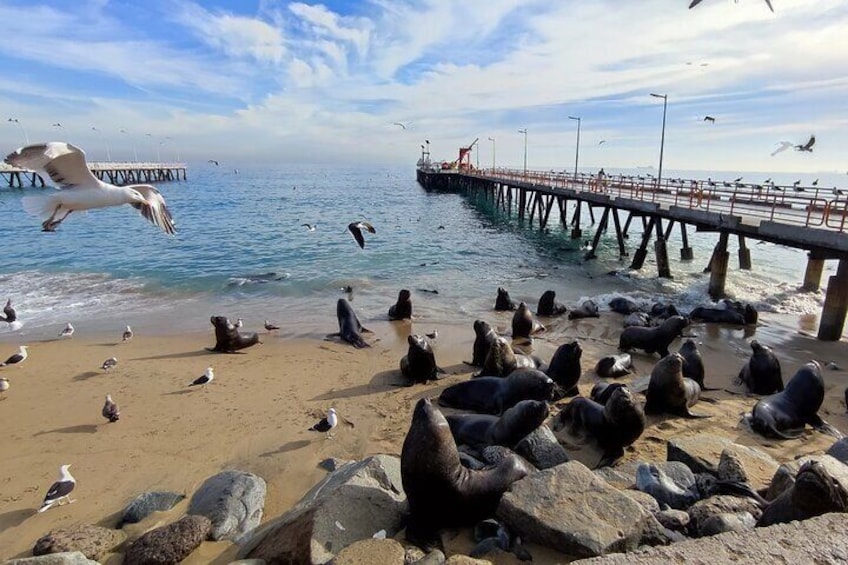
(255, 415)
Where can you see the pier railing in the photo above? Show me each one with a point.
(115, 172)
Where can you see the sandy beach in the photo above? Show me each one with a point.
(255, 414)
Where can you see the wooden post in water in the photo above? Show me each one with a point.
(718, 267)
(575, 221)
(622, 252)
(686, 253)
(813, 273)
(835, 305)
(744, 255)
(642, 252)
(661, 252)
(522, 202)
(601, 227)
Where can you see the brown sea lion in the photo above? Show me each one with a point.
(484, 337)
(350, 330)
(440, 491)
(669, 391)
(623, 305)
(761, 374)
(227, 337)
(548, 306)
(503, 302)
(481, 430)
(565, 369)
(587, 309)
(614, 366)
(524, 324)
(693, 363)
(494, 395)
(653, 340)
(602, 391)
(402, 309)
(814, 493)
(419, 364)
(502, 360)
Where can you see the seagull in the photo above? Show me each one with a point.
(807, 146)
(356, 230)
(696, 2)
(784, 145)
(433, 335)
(401, 125)
(239, 323)
(204, 379)
(4, 386)
(837, 192)
(709, 119)
(309, 227)
(110, 410)
(57, 125)
(68, 331)
(326, 424)
(271, 327)
(62, 488)
(738, 179)
(128, 334)
(109, 363)
(9, 311)
(601, 142)
(17, 358)
(80, 190)
(213, 162)
(815, 182)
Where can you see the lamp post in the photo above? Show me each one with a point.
(26, 137)
(492, 139)
(662, 138)
(150, 135)
(135, 152)
(524, 131)
(577, 148)
(108, 153)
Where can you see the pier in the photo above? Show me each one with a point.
(804, 217)
(118, 173)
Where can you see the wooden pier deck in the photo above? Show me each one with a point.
(118, 173)
(811, 218)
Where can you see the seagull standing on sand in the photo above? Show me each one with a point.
(62, 488)
(271, 327)
(109, 363)
(326, 424)
(4, 386)
(204, 379)
(80, 190)
(110, 410)
(356, 228)
(68, 331)
(17, 358)
(9, 311)
(128, 334)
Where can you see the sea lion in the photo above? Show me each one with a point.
(717, 316)
(503, 302)
(440, 491)
(614, 366)
(564, 367)
(662, 311)
(761, 374)
(419, 364)
(623, 305)
(481, 430)
(587, 309)
(494, 395)
(613, 426)
(638, 319)
(402, 309)
(227, 337)
(502, 360)
(669, 391)
(548, 306)
(747, 311)
(785, 414)
(693, 363)
(524, 324)
(653, 339)
(485, 336)
(349, 327)
(814, 493)
(602, 391)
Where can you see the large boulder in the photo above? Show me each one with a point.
(702, 511)
(702, 454)
(541, 448)
(146, 504)
(169, 544)
(570, 509)
(67, 558)
(349, 505)
(369, 552)
(92, 541)
(233, 501)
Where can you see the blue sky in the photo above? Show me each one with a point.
(278, 82)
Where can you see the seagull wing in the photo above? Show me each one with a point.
(58, 490)
(398, 124)
(62, 162)
(810, 143)
(366, 226)
(154, 208)
(694, 3)
(784, 145)
(353, 228)
(768, 3)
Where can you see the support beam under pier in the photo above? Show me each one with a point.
(661, 252)
(642, 252)
(744, 255)
(718, 267)
(686, 253)
(835, 305)
(813, 274)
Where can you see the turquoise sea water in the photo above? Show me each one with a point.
(109, 267)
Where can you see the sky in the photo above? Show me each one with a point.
(277, 82)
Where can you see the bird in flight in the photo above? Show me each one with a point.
(784, 145)
(601, 142)
(737, 180)
(356, 228)
(309, 227)
(696, 2)
(401, 124)
(213, 162)
(709, 119)
(807, 146)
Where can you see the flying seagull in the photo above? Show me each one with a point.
(110, 410)
(807, 146)
(9, 311)
(17, 358)
(128, 334)
(738, 179)
(601, 142)
(204, 379)
(109, 363)
(68, 331)
(62, 488)
(213, 162)
(709, 119)
(271, 327)
(309, 227)
(356, 230)
(400, 124)
(784, 145)
(696, 2)
(326, 424)
(80, 190)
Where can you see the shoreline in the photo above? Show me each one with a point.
(254, 416)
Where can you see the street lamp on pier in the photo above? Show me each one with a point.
(524, 131)
(108, 153)
(23, 129)
(135, 152)
(577, 148)
(492, 139)
(662, 138)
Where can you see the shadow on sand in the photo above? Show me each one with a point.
(286, 447)
(80, 429)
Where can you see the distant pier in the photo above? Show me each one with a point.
(804, 217)
(118, 173)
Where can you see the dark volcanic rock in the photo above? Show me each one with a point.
(169, 544)
(92, 541)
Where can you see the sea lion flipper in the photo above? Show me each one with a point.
(440, 370)
(826, 428)
(708, 399)
(329, 336)
(365, 330)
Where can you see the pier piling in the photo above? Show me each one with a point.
(744, 255)
(813, 274)
(686, 253)
(835, 305)
(718, 267)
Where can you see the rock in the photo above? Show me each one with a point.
(146, 504)
(645, 500)
(839, 450)
(435, 557)
(654, 534)
(655, 482)
(248, 562)
(465, 560)
(570, 509)
(362, 498)
(675, 520)
(622, 476)
(720, 523)
(414, 554)
(541, 448)
(837, 471)
(331, 464)
(494, 454)
(782, 481)
(169, 544)
(730, 467)
(233, 501)
(369, 552)
(721, 504)
(819, 488)
(701, 453)
(92, 541)
(65, 558)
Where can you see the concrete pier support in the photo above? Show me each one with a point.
(597, 239)
(744, 255)
(576, 233)
(663, 269)
(718, 268)
(813, 274)
(642, 252)
(522, 202)
(835, 305)
(686, 253)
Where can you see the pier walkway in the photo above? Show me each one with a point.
(115, 172)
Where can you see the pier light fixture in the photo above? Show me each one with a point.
(492, 139)
(108, 153)
(135, 151)
(577, 148)
(524, 131)
(23, 129)
(662, 137)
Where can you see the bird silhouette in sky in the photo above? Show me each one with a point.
(709, 119)
(807, 146)
(401, 124)
(784, 145)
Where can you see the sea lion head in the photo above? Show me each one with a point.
(481, 328)
(533, 384)
(758, 349)
(671, 364)
(689, 346)
(816, 492)
(416, 341)
(675, 324)
(522, 309)
(403, 295)
(625, 412)
(220, 321)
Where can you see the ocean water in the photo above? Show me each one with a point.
(241, 251)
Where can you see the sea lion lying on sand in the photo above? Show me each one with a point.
(227, 337)
(482, 430)
(653, 339)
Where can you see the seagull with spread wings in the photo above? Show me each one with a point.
(79, 189)
(807, 146)
(784, 145)
(356, 228)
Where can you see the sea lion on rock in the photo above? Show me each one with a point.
(614, 366)
(613, 426)
(693, 363)
(419, 364)
(349, 327)
(502, 360)
(440, 491)
(402, 309)
(482, 430)
(227, 337)
(655, 339)
(814, 493)
(564, 367)
(485, 336)
(623, 305)
(587, 309)
(494, 395)
(548, 306)
(785, 414)
(524, 324)
(503, 302)
(669, 391)
(761, 374)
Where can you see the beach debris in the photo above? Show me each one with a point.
(110, 410)
(271, 327)
(62, 488)
(4, 386)
(356, 228)
(67, 332)
(833, 366)
(17, 358)
(326, 424)
(109, 363)
(204, 379)
(128, 334)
